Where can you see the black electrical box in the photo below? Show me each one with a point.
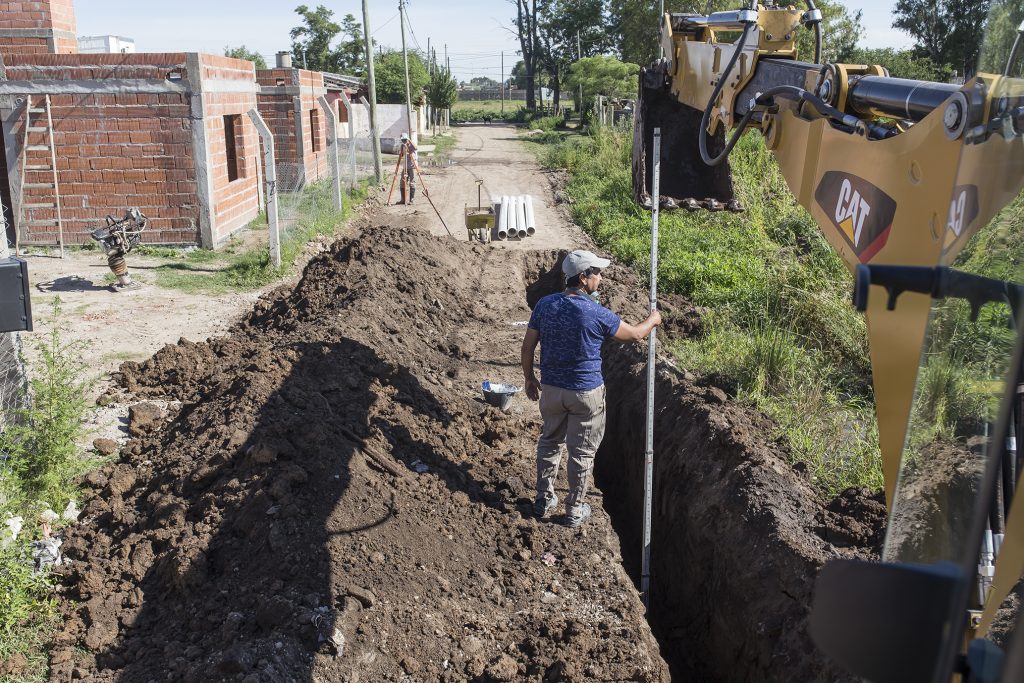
(15, 304)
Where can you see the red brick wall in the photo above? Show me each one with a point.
(34, 16)
(235, 202)
(279, 113)
(114, 151)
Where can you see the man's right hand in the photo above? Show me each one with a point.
(532, 389)
(655, 317)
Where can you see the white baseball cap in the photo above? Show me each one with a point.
(578, 261)
(405, 136)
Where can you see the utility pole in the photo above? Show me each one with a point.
(405, 56)
(579, 56)
(502, 81)
(430, 75)
(378, 170)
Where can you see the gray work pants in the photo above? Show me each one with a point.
(576, 418)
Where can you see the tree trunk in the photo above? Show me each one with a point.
(556, 89)
(526, 23)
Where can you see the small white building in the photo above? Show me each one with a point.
(105, 44)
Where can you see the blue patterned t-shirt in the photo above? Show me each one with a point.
(572, 330)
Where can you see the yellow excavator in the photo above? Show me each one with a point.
(899, 174)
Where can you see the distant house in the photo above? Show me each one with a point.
(106, 44)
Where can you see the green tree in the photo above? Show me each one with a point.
(517, 79)
(902, 63)
(529, 46)
(442, 90)
(311, 42)
(389, 70)
(567, 29)
(242, 52)
(1000, 32)
(484, 82)
(350, 55)
(602, 75)
(945, 31)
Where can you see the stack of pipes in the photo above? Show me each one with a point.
(515, 217)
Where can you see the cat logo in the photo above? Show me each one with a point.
(860, 211)
(963, 209)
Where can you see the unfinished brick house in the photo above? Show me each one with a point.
(288, 103)
(167, 133)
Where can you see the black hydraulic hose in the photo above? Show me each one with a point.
(795, 93)
(817, 33)
(702, 135)
(1013, 53)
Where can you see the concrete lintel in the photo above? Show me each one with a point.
(50, 33)
(291, 90)
(201, 156)
(106, 86)
(227, 85)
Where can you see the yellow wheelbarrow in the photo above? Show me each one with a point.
(479, 221)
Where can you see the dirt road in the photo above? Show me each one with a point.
(494, 154)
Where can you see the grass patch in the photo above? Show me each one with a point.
(781, 334)
(752, 271)
(303, 216)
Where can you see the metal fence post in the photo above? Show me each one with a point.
(332, 146)
(351, 135)
(270, 177)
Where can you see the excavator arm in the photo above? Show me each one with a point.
(895, 172)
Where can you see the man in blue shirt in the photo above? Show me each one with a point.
(571, 328)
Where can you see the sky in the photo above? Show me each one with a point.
(475, 31)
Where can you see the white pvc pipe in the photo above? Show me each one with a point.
(503, 218)
(531, 223)
(513, 217)
(521, 218)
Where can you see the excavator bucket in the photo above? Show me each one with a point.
(686, 181)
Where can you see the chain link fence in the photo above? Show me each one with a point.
(13, 382)
(306, 194)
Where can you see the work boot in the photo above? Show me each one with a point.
(412, 194)
(541, 506)
(581, 514)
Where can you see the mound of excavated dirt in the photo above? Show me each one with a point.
(333, 501)
(327, 497)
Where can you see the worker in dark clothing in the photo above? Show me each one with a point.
(571, 327)
(409, 169)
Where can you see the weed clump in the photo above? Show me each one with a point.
(40, 460)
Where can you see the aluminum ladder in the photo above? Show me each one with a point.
(39, 165)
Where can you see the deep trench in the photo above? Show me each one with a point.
(734, 548)
(732, 562)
